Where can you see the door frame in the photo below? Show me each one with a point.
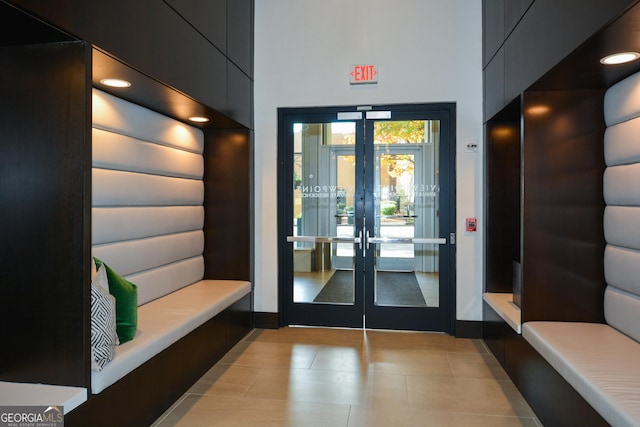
(285, 210)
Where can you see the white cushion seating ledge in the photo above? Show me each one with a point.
(602, 361)
(147, 225)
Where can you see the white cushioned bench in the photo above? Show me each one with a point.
(602, 364)
(602, 361)
(165, 320)
(147, 225)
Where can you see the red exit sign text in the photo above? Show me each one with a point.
(363, 74)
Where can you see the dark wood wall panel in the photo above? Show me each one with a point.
(503, 204)
(545, 34)
(18, 28)
(240, 34)
(499, 18)
(514, 10)
(493, 88)
(208, 17)
(182, 57)
(492, 28)
(494, 330)
(45, 166)
(563, 241)
(164, 41)
(227, 205)
(240, 90)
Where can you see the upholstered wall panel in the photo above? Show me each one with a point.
(620, 185)
(622, 143)
(120, 116)
(162, 280)
(148, 193)
(622, 268)
(621, 311)
(622, 214)
(115, 151)
(622, 101)
(616, 226)
(118, 188)
(115, 224)
(133, 256)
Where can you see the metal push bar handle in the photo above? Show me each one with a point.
(430, 240)
(406, 240)
(323, 239)
(369, 240)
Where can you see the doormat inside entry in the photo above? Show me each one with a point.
(393, 288)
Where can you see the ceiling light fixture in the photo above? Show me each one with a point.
(115, 82)
(620, 58)
(198, 119)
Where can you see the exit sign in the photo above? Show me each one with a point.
(363, 74)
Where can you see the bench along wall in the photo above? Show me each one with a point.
(147, 225)
(45, 191)
(600, 360)
(560, 123)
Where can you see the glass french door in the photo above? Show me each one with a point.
(364, 221)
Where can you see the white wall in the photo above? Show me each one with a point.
(425, 50)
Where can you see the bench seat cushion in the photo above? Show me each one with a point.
(597, 360)
(165, 320)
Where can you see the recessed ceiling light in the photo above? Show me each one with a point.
(620, 58)
(198, 119)
(115, 82)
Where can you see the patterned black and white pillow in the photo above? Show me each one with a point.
(103, 322)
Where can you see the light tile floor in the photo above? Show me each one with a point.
(340, 377)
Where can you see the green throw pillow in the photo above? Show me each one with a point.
(126, 295)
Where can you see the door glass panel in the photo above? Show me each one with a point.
(323, 198)
(345, 186)
(406, 191)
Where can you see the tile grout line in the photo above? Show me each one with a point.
(164, 416)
